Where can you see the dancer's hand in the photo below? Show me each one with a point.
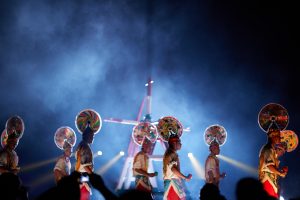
(285, 169)
(283, 174)
(189, 177)
(152, 174)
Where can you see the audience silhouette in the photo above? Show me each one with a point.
(68, 188)
(135, 194)
(251, 189)
(211, 191)
(11, 187)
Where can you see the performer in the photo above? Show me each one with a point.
(171, 169)
(63, 165)
(85, 161)
(8, 157)
(140, 168)
(268, 170)
(212, 169)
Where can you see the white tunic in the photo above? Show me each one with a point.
(63, 164)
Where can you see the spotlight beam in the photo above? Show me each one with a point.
(108, 165)
(197, 166)
(38, 164)
(244, 167)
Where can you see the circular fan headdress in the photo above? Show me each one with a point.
(88, 116)
(142, 130)
(168, 126)
(215, 133)
(273, 115)
(290, 138)
(15, 127)
(64, 134)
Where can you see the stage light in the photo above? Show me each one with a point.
(187, 129)
(122, 153)
(99, 153)
(147, 84)
(281, 198)
(190, 155)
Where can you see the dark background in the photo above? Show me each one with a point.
(212, 62)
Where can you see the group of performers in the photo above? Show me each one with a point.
(65, 138)
(268, 170)
(172, 175)
(273, 120)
